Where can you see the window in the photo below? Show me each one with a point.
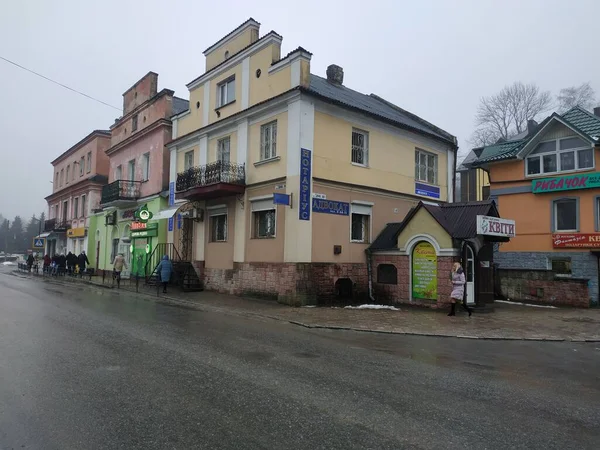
(223, 150)
(146, 167)
(62, 176)
(73, 173)
(268, 141)
(226, 92)
(360, 223)
(118, 172)
(561, 266)
(218, 224)
(81, 166)
(263, 218)
(65, 210)
(188, 160)
(89, 162)
(387, 274)
(360, 147)
(68, 170)
(565, 216)
(425, 167)
(83, 211)
(562, 155)
(75, 207)
(134, 123)
(131, 170)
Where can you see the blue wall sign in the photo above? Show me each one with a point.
(171, 223)
(330, 207)
(282, 199)
(427, 190)
(305, 177)
(179, 221)
(171, 193)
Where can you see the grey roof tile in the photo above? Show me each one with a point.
(179, 105)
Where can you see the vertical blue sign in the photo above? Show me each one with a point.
(305, 176)
(179, 220)
(171, 223)
(171, 193)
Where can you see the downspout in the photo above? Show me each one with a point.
(370, 273)
(454, 171)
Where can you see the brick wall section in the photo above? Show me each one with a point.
(401, 292)
(542, 286)
(584, 265)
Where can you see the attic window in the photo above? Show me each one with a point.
(561, 155)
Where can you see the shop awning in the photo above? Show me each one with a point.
(166, 213)
(44, 235)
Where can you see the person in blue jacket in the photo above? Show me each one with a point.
(164, 270)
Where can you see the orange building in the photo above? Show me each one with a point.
(548, 181)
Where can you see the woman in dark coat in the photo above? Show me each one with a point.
(82, 260)
(164, 270)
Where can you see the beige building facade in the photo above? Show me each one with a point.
(280, 179)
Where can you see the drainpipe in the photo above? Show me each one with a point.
(370, 273)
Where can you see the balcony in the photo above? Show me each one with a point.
(218, 179)
(120, 193)
(56, 226)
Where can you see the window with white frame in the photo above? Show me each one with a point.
(73, 173)
(118, 172)
(146, 167)
(81, 166)
(360, 226)
(360, 147)
(83, 205)
(223, 150)
(264, 218)
(426, 167)
(226, 92)
(218, 224)
(68, 173)
(76, 207)
(131, 170)
(62, 176)
(268, 140)
(88, 166)
(188, 160)
(560, 155)
(564, 213)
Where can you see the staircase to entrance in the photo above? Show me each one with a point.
(184, 275)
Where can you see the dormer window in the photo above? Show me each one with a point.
(561, 155)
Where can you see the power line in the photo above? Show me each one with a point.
(56, 82)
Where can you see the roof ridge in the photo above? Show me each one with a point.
(585, 111)
(232, 32)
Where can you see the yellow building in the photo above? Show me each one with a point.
(280, 179)
(474, 181)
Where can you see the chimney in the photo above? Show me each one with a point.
(597, 111)
(335, 74)
(531, 126)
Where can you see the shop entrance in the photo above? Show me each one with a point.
(139, 257)
(470, 276)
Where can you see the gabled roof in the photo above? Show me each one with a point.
(459, 220)
(250, 21)
(577, 118)
(179, 105)
(470, 158)
(374, 106)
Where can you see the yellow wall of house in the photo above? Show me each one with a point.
(267, 85)
(424, 223)
(193, 120)
(181, 158)
(273, 169)
(304, 73)
(212, 147)
(232, 108)
(217, 56)
(390, 159)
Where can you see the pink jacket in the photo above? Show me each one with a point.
(458, 285)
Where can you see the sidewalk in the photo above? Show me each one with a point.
(510, 322)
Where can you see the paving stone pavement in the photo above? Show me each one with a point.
(506, 322)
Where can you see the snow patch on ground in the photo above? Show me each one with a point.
(392, 308)
(525, 304)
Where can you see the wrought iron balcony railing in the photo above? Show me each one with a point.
(210, 174)
(55, 225)
(120, 190)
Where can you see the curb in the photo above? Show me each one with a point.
(207, 308)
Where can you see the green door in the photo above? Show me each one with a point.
(142, 247)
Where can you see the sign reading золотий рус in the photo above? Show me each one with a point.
(566, 183)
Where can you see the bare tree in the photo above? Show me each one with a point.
(506, 114)
(583, 96)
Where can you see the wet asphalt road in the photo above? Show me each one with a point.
(85, 368)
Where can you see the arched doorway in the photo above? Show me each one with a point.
(423, 271)
(470, 275)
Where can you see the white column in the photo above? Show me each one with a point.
(203, 157)
(239, 230)
(295, 72)
(199, 237)
(451, 156)
(174, 129)
(205, 106)
(245, 82)
(173, 165)
(298, 233)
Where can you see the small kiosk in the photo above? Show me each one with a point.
(411, 261)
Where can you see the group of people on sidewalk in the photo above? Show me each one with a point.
(69, 264)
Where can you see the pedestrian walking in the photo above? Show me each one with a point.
(47, 262)
(30, 261)
(82, 261)
(118, 265)
(458, 289)
(164, 270)
(71, 262)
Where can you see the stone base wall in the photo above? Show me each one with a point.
(543, 286)
(584, 265)
(289, 283)
(401, 292)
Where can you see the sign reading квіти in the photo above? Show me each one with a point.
(566, 183)
(494, 226)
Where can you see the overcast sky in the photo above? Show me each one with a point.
(435, 58)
